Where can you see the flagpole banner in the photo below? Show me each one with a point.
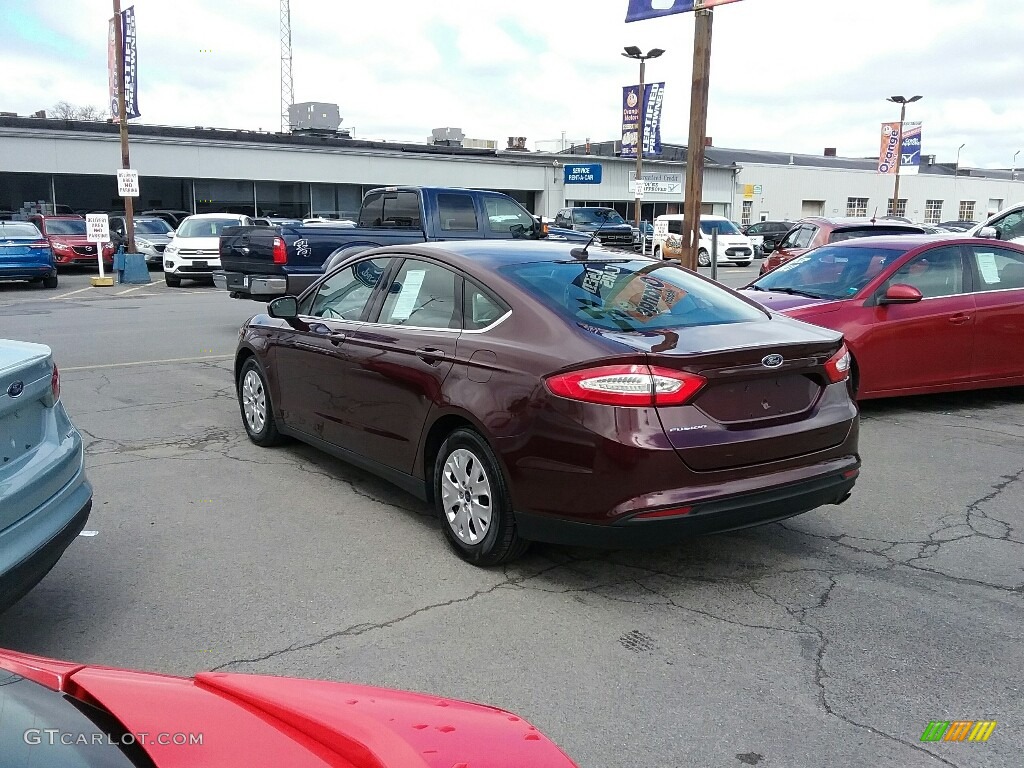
(889, 152)
(654, 94)
(910, 148)
(112, 69)
(130, 57)
(652, 9)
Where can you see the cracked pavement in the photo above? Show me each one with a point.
(829, 640)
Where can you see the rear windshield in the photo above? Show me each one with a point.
(18, 229)
(65, 226)
(848, 234)
(630, 295)
(596, 216)
(724, 227)
(152, 226)
(205, 227)
(829, 272)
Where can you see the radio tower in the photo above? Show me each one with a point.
(287, 85)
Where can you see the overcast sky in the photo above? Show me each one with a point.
(786, 75)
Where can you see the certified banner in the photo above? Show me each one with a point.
(910, 148)
(130, 58)
(651, 9)
(654, 95)
(889, 153)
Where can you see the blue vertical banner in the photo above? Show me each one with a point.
(637, 10)
(910, 148)
(654, 95)
(130, 57)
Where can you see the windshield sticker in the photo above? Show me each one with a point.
(987, 267)
(596, 278)
(645, 297)
(410, 292)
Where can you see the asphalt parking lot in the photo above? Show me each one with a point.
(829, 640)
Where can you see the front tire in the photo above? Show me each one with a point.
(472, 500)
(171, 280)
(703, 258)
(255, 405)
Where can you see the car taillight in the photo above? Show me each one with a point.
(280, 251)
(838, 366)
(55, 383)
(635, 385)
(40, 244)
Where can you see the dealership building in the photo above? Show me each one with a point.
(48, 164)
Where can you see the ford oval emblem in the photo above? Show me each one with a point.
(16, 388)
(771, 361)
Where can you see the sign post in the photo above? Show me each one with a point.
(97, 230)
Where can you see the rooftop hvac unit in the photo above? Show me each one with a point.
(447, 137)
(517, 144)
(315, 116)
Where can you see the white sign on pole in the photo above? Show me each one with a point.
(636, 188)
(660, 228)
(97, 230)
(127, 182)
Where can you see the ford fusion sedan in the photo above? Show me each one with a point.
(535, 391)
(194, 252)
(25, 254)
(919, 314)
(44, 495)
(60, 714)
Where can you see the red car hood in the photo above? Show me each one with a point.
(258, 720)
(68, 239)
(783, 302)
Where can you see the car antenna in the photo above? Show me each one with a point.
(874, 215)
(581, 253)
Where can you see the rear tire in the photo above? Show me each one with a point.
(657, 253)
(172, 281)
(703, 258)
(50, 281)
(472, 500)
(255, 405)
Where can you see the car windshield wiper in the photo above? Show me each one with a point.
(798, 292)
(757, 288)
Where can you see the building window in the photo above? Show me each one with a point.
(748, 209)
(856, 206)
(966, 210)
(900, 208)
(932, 211)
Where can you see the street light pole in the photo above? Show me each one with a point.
(632, 52)
(1013, 166)
(902, 101)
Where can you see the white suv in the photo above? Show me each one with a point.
(733, 246)
(194, 251)
(1008, 224)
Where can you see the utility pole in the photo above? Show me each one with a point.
(695, 147)
(129, 202)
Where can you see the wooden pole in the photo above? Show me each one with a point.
(122, 112)
(695, 146)
(899, 161)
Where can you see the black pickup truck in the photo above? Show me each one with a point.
(262, 262)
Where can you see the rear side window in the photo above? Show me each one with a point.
(1000, 269)
(457, 213)
(848, 234)
(19, 229)
(391, 209)
(480, 309)
(630, 295)
(798, 238)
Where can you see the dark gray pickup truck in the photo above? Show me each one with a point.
(262, 262)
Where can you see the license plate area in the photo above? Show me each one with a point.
(200, 264)
(772, 397)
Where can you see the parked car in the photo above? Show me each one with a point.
(263, 262)
(815, 231)
(733, 246)
(534, 391)
(1008, 225)
(45, 497)
(25, 254)
(152, 234)
(62, 714)
(614, 229)
(274, 221)
(760, 231)
(67, 237)
(957, 226)
(194, 251)
(171, 216)
(919, 314)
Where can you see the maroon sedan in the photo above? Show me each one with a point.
(538, 392)
(59, 714)
(919, 314)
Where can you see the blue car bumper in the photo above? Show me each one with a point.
(26, 271)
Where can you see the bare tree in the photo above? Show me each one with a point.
(64, 110)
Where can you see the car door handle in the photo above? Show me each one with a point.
(959, 318)
(243, 249)
(430, 355)
(337, 337)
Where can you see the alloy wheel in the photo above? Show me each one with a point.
(466, 496)
(254, 401)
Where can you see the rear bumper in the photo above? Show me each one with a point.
(26, 271)
(261, 287)
(707, 515)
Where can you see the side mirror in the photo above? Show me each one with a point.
(901, 293)
(989, 233)
(767, 246)
(284, 307)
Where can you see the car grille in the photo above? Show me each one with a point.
(198, 270)
(616, 238)
(738, 252)
(199, 253)
(84, 250)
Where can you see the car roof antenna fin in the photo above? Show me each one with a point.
(581, 253)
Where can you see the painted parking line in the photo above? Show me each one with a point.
(136, 288)
(147, 362)
(71, 293)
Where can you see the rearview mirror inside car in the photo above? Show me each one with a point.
(284, 307)
(900, 293)
(990, 233)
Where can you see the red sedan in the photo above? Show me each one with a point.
(920, 314)
(55, 713)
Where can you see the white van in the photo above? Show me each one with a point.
(733, 246)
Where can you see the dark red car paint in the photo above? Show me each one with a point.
(361, 391)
